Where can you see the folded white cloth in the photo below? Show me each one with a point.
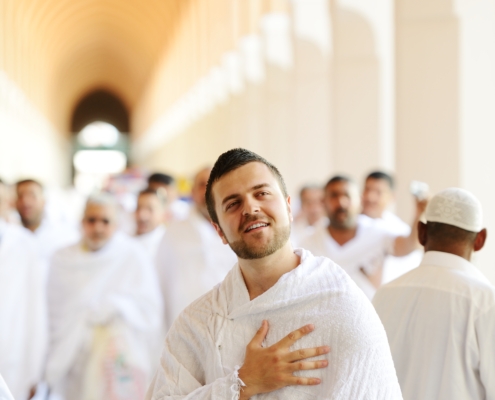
(209, 338)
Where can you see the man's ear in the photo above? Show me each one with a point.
(289, 209)
(480, 240)
(220, 232)
(422, 233)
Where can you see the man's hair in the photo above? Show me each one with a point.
(448, 234)
(229, 161)
(338, 178)
(26, 181)
(164, 179)
(382, 176)
(102, 199)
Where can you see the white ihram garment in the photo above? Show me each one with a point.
(365, 252)
(116, 288)
(51, 236)
(440, 323)
(151, 240)
(191, 260)
(4, 390)
(23, 312)
(393, 267)
(208, 341)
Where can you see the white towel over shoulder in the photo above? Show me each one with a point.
(208, 340)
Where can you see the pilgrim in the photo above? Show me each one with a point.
(49, 235)
(150, 215)
(191, 258)
(23, 313)
(440, 317)
(354, 241)
(284, 324)
(105, 312)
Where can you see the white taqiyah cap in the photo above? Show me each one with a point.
(457, 207)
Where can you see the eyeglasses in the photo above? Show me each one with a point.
(93, 220)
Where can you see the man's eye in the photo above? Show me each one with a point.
(231, 205)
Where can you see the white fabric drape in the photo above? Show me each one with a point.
(209, 338)
(23, 312)
(191, 260)
(115, 287)
(440, 323)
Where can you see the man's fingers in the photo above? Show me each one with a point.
(299, 380)
(294, 336)
(257, 340)
(307, 353)
(306, 365)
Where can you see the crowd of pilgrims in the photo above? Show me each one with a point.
(84, 310)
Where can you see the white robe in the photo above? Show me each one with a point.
(191, 260)
(366, 251)
(151, 240)
(440, 323)
(23, 312)
(4, 391)
(114, 288)
(52, 236)
(209, 339)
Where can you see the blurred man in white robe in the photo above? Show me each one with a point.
(377, 200)
(177, 209)
(50, 235)
(23, 312)
(354, 241)
(191, 258)
(312, 213)
(150, 218)
(105, 312)
(283, 325)
(440, 317)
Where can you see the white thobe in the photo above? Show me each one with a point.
(209, 339)
(23, 312)
(365, 252)
(4, 391)
(440, 323)
(180, 210)
(393, 267)
(115, 288)
(151, 240)
(51, 236)
(300, 229)
(191, 260)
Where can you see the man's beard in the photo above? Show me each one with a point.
(246, 252)
(346, 223)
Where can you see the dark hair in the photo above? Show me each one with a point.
(382, 176)
(338, 178)
(158, 177)
(25, 181)
(230, 161)
(448, 234)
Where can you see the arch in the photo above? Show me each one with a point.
(100, 105)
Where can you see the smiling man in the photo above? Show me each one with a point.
(283, 324)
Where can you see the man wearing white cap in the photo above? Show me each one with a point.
(440, 317)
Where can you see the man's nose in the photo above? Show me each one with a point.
(250, 206)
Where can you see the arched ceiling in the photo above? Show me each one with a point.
(58, 51)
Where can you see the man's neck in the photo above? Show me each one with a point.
(462, 251)
(261, 274)
(32, 226)
(342, 235)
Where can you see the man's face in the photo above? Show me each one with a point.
(170, 190)
(149, 213)
(199, 189)
(377, 196)
(254, 216)
(312, 205)
(342, 204)
(99, 224)
(30, 203)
